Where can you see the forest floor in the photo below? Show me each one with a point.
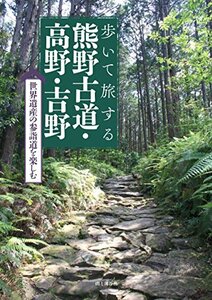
(126, 249)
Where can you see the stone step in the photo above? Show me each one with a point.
(118, 190)
(114, 186)
(104, 220)
(135, 225)
(165, 286)
(81, 288)
(123, 178)
(112, 294)
(128, 251)
(119, 186)
(121, 182)
(116, 242)
(124, 193)
(120, 198)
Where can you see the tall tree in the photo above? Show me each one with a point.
(60, 8)
(20, 51)
(167, 81)
(146, 85)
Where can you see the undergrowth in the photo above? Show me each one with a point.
(179, 175)
(28, 212)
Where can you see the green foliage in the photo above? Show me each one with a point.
(178, 175)
(115, 158)
(7, 94)
(190, 35)
(14, 250)
(27, 211)
(13, 244)
(75, 187)
(104, 163)
(4, 288)
(200, 168)
(100, 169)
(5, 228)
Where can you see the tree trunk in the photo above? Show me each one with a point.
(120, 119)
(134, 138)
(126, 129)
(157, 109)
(24, 53)
(130, 131)
(146, 84)
(60, 8)
(209, 25)
(8, 141)
(88, 8)
(2, 14)
(142, 107)
(203, 88)
(18, 26)
(139, 123)
(162, 96)
(8, 145)
(35, 46)
(49, 6)
(51, 153)
(168, 96)
(72, 11)
(172, 75)
(204, 97)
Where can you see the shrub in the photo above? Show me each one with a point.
(100, 169)
(178, 175)
(76, 187)
(35, 208)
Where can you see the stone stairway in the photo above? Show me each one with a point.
(125, 250)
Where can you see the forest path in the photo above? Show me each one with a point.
(126, 250)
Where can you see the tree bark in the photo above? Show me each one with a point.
(203, 88)
(8, 145)
(73, 6)
(129, 130)
(24, 53)
(157, 109)
(209, 25)
(88, 8)
(168, 95)
(121, 119)
(146, 84)
(18, 26)
(139, 123)
(35, 46)
(142, 106)
(60, 8)
(49, 6)
(162, 96)
(2, 13)
(172, 75)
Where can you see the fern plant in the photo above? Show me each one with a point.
(14, 250)
(5, 228)
(179, 175)
(201, 167)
